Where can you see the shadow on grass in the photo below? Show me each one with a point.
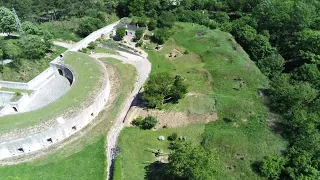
(155, 171)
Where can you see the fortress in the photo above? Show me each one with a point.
(54, 105)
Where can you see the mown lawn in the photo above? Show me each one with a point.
(88, 75)
(231, 82)
(83, 159)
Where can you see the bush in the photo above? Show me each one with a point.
(139, 34)
(186, 52)
(139, 43)
(84, 50)
(173, 137)
(137, 121)
(148, 122)
(161, 35)
(121, 32)
(92, 45)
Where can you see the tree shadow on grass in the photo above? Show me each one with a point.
(155, 171)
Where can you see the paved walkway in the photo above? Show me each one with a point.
(143, 67)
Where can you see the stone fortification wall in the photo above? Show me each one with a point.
(93, 37)
(65, 127)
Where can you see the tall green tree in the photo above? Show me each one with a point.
(194, 163)
(163, 87)
(34, 47)
(7, 21)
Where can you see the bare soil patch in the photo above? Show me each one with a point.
(169, 119)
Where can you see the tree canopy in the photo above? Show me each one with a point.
(163, 87)
(194, 163)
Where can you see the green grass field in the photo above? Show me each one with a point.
(86, 80)
(191, 67)
(136, 147)
(83, 159)
(29, 69)
(219, 69)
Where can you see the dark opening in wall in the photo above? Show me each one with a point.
(74, 128)
(60, 72)
(49, 140)
(20, 150)
(92, 114)
(15, 109)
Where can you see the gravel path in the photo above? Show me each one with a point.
(143, 67)
(63, 44)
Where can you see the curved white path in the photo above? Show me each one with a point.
(143, 67)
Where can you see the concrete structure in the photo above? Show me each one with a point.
(64, 126)
(130, 29)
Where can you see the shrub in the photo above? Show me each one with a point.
(139, 34)
(139, 43)
(148, 122)
(92, 45)
(84, 50)
(186, 52)
(173, 137)
(137, 121)
(121, 32)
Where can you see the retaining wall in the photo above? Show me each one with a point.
(65, 127)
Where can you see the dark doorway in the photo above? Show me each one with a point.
(15, 109)
(60, 72)
(126, 33)
(20, 150)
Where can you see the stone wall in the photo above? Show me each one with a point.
(65, 127)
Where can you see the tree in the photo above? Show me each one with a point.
(7, 21)
(11, 50)
(34, 47)
(309, 73)
(272, 65)
(166, 19)
(121, 32)
(139, 34)
(271, 166)
(87, 25)
(194, 163)
(163, 87)
(148, 123)
(161, 35)
(30, 28)
(284, 94)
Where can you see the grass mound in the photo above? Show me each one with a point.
(88, 75)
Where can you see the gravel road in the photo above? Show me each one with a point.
(143, 67)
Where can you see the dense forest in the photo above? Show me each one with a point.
(281, 36)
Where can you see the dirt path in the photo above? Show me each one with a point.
(143, 67)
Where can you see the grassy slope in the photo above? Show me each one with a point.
(29, 69)
(247, 135)
(84, 158)
(189, 66)
(136, 147)
(238, 143)
(86, 80)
